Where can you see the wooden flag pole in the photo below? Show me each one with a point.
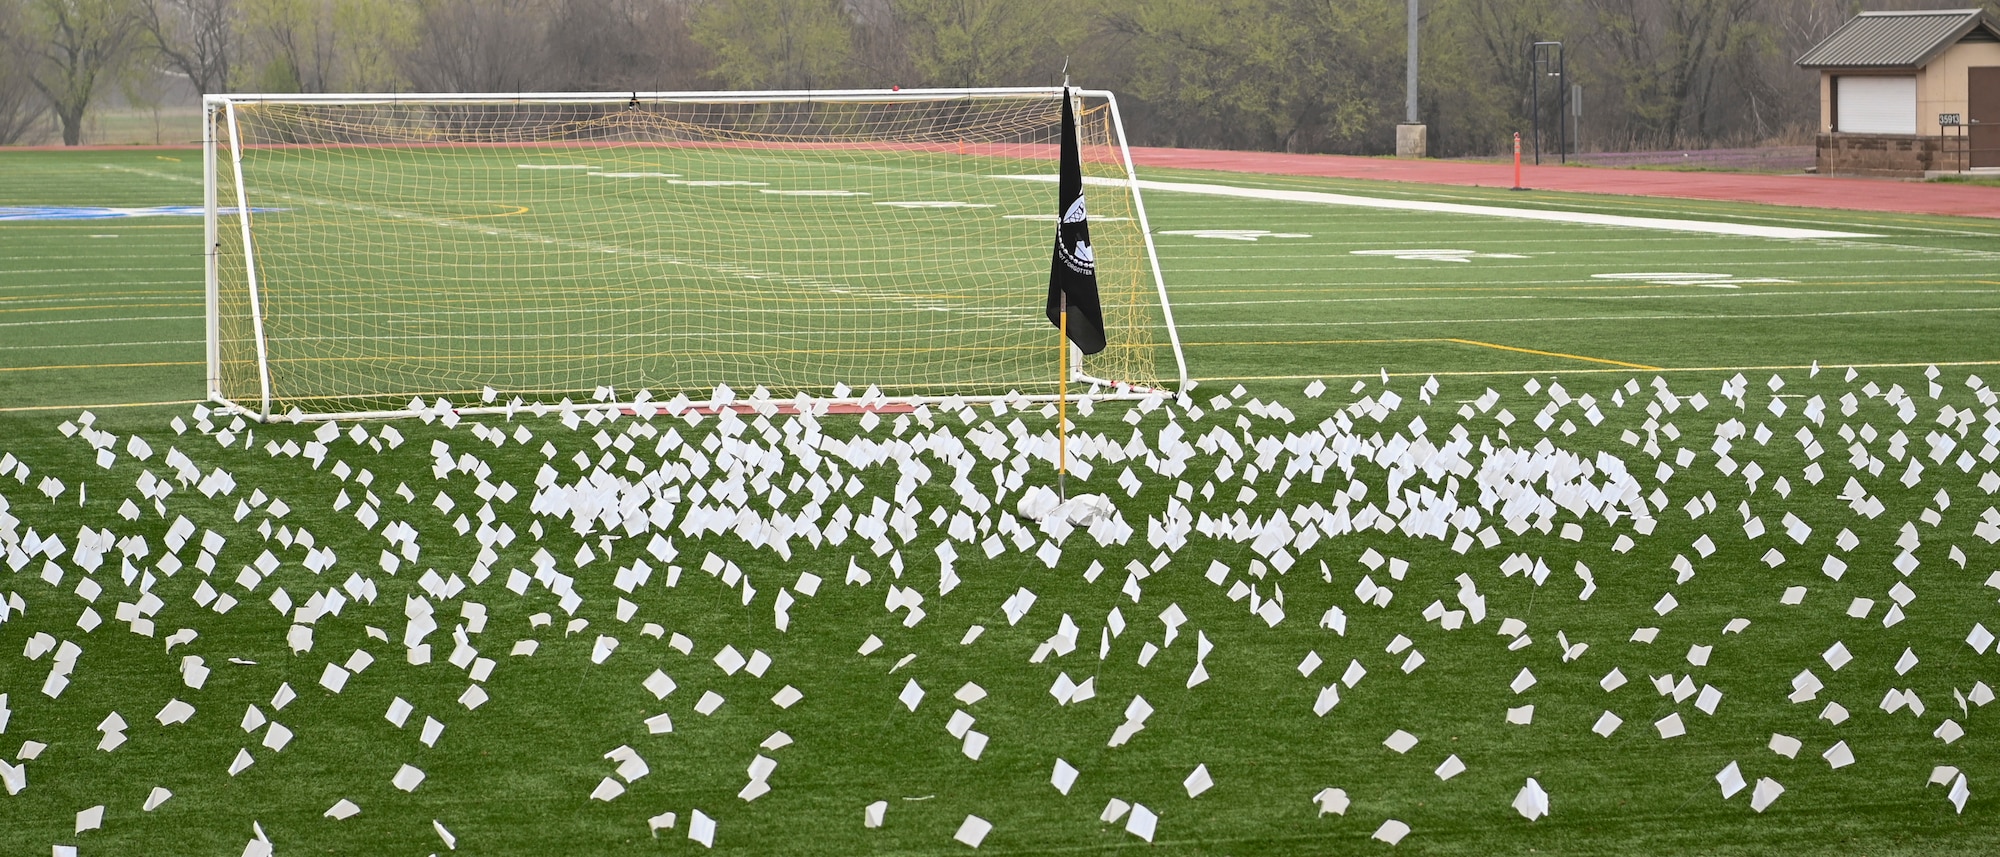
(1062, 405)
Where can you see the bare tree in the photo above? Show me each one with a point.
(20, 105)
(1299, 75)
(882, 45)
(1293, 75)
(1712, 39)
(291, 45)
(193, 38)
(625, 44)
(480, 46)
(777, 44)
(71, 46)
(981, 42)
(327, 45)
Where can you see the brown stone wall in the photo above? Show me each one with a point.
(1888, 155)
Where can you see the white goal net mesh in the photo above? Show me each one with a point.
(418, 248)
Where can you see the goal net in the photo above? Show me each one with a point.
(369, 250)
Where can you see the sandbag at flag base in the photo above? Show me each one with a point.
(1073, 271)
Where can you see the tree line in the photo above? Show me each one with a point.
(1282, 75)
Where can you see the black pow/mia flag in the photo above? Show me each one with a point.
(1073, 271)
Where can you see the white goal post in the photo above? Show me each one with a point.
(370, 252)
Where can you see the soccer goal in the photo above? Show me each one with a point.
(368, 250)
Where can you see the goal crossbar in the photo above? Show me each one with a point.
(691, 96)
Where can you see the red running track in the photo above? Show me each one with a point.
(1857, 194)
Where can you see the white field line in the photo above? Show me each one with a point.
(1539, 248)
(50, 322)
(105, 285)
(129, 344)
(150, 269)
(1545, 288)
(38, 302)
(1653, 204)
(1707, 294)
(1544, 247)
(1588, 318)
(1595, 267)
(1578, 217)
(1549, 216)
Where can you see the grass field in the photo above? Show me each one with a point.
(1558, 478)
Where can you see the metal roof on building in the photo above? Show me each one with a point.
(1897, 40)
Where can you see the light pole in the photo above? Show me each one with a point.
(1576, 116)
(1410, 78)
(1410, 135)
(1549, 56)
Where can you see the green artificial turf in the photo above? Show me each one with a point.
(516, 774)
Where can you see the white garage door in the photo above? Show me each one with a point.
(1877, 105)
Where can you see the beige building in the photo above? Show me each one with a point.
(1909, 93)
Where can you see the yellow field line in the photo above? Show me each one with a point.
(1556, 354)
(517, 210)
(1415, 341)
(1319, 342)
